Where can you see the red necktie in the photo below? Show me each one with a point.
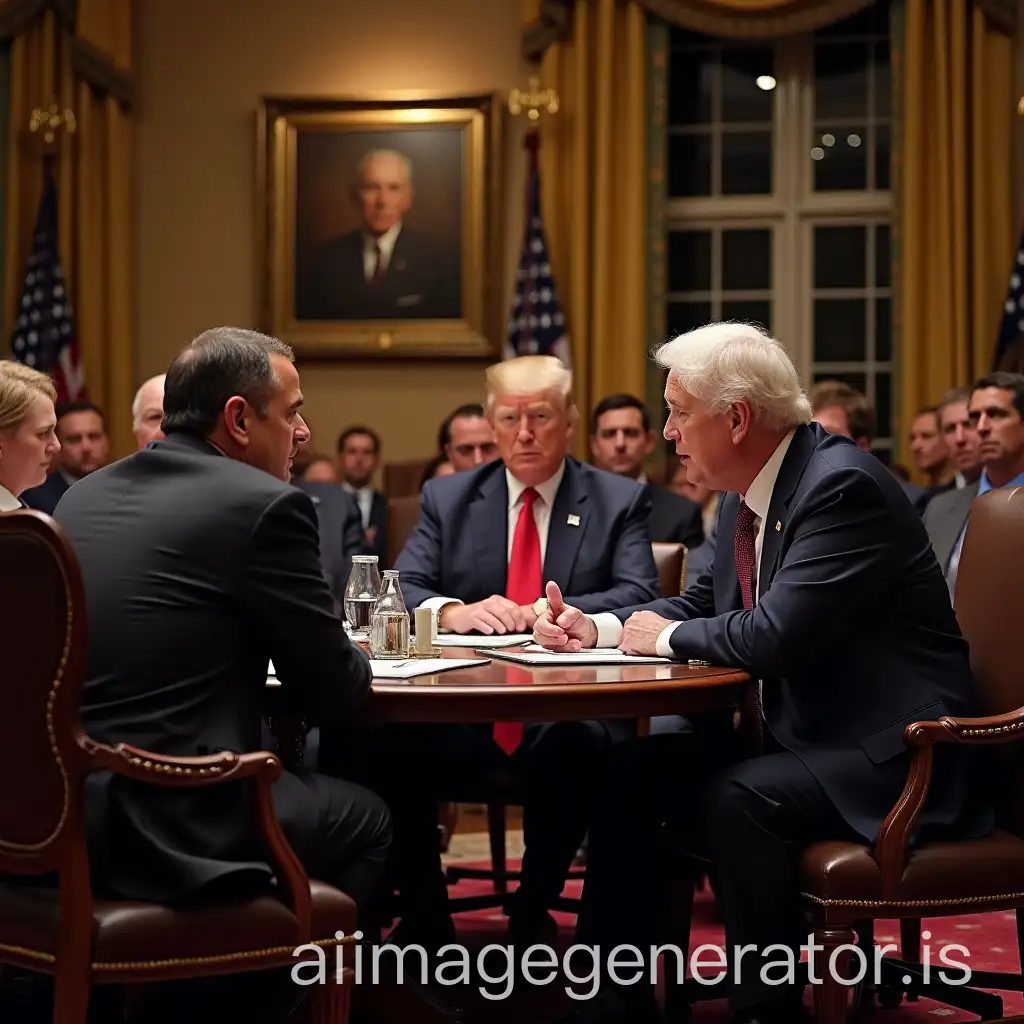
(525, 583)
(743, 547)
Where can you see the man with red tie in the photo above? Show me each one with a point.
(825, 589)
(485, 542)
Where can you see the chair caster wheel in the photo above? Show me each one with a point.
(888, 997)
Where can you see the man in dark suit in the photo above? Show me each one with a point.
(620, 440)
(201, 565)
(358, 459)
(484, 542)
(82, 432)
(383, 270)
(341, 532)
(825, 589)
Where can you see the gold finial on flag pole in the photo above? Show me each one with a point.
(533, 101)
(49, 125)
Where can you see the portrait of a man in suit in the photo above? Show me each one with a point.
(383, 268)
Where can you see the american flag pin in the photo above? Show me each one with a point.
(778, 525)
(573, 521)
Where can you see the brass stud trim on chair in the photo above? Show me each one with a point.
(884, 904)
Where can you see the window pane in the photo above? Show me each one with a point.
(746, 163)
(689, 165)
(685, 316)
(840, 255)
(742, 98)
(883, 405)
(690, 75)
(749, 311)
(883, 259)
(840, 326)
(855, 380)
(843, 165)
(746, 259)
(883, 157)
(689, 261)
(841, 81)
(883, 80)
(883, 330)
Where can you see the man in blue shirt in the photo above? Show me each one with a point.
(997, 413)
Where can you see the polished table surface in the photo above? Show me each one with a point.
(504, 691)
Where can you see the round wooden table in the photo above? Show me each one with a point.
(506, 692)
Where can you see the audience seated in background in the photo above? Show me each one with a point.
(148, 411)
(358, 459)
(82, 432)
(621, 439)
(28, 438)
(931, 454)
(466, 438)
(439, 465)
(320, 469)
(995, 431)
(824, 573)
(961, 438)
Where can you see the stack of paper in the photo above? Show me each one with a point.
(534, 654)
(408, 668)
(497, 640)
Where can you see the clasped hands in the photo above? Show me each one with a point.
(566, 629)
(494, 614)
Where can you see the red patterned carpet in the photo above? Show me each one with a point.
(989, 938)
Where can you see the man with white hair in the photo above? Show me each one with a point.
(825, 589)
(486, 540)
(383, 269)
(148, 411)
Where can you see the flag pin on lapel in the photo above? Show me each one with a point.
(573, 521)
(778, 525)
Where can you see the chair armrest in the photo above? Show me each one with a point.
(893, 839)
(261, 767)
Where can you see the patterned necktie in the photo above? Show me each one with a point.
(524, 585)
(750, 711)
(378, 267)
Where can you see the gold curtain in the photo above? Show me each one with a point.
(593, 159)
(955, 229)
(84, 66)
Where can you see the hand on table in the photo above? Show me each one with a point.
(495, 614)
(562, 627)
(640, 634)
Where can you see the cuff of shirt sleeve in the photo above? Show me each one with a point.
(609, 629)
(663, 648)
(435, 604)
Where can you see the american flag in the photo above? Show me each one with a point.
(1012, 326)
(44, 331)
(536, 325)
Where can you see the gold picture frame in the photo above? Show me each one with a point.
(323, 199)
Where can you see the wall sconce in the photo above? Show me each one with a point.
(49, 125)
(533, 101)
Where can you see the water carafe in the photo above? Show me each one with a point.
(361, 594)
(389, 624)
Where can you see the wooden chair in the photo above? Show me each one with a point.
(45, 756)
(402, 516)
(671, 562)
(402, 479)
(846, 886)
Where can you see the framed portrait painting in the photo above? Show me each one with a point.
(377, 221)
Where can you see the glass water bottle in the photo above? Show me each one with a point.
(389, 625)
(361, 593)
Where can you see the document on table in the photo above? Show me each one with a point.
(534, 654)
(404, 668)
(496, 640)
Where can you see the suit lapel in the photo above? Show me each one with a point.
(948, 530)
(488, 528)
(565, 537)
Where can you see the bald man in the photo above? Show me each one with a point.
(383, 270)
(148, 411)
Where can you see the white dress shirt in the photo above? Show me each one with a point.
(386, 244)
(364, 499)
(8, 502)
(758, 498)
(542, 506)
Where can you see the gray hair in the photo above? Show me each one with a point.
(137, 400)
(723, 363)
(389, 154)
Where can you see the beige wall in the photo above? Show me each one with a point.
(202, 67)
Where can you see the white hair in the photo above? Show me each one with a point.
(388, 154)
(723, 363)
(527, 375)
(137, 400)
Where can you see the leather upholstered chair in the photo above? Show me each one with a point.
(402, 479)
(402, 516)
(671, 562)
(60, 929)
(847, 886)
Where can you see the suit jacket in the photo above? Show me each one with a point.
(674, 519)
(44, 498)
(459, 548)
(198, 570)
(945, 517)
(853, 636)
(379, 523)
(422, 281)
(341, 532)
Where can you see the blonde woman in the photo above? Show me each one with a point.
(28, 441)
